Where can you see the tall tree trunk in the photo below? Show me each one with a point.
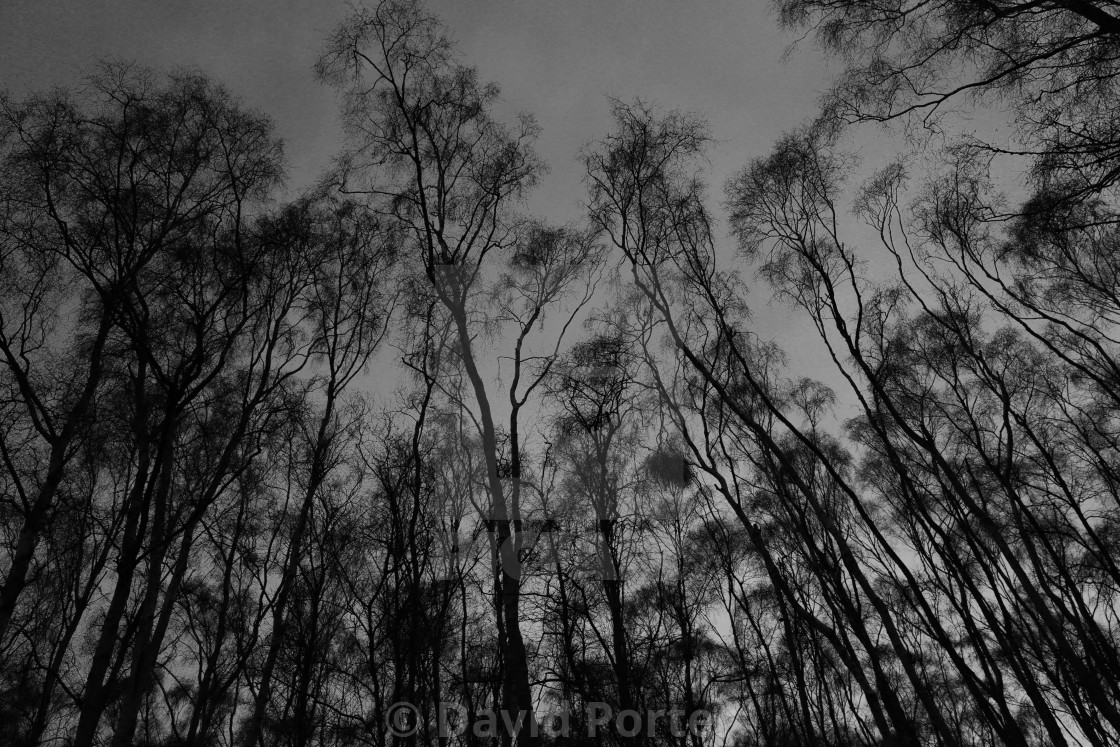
(35, 519)
(253, 734)
(96, 692)
(517, 700)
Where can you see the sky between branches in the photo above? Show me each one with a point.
(558, 59)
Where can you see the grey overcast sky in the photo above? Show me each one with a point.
(556, 58)
(559, 59)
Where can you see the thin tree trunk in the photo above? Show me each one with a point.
(35, 519)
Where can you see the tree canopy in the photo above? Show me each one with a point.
(378, 463)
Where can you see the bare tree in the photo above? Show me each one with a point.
(430, 155)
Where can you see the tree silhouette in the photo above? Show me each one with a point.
(316, 472)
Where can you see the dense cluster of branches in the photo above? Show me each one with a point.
(269, 470)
